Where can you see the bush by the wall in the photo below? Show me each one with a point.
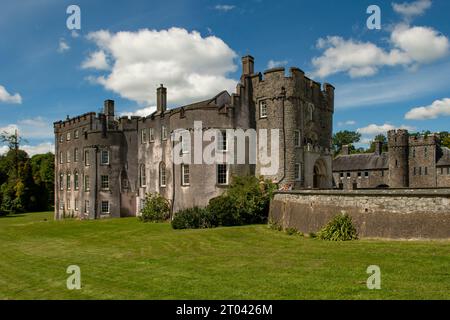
(194, 218)
(339, 229)
(156, 208)
(224, 211)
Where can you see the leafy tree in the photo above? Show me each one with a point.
(445, 139)
(43, 171)
(343, 138)
(380, 138)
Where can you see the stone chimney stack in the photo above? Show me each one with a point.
(108, 108)
(248, 65)
(161, 99)
(378, 147)
(345, 151)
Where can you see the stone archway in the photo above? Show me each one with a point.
(320, 175)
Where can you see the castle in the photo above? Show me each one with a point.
(106, 165)
(412, 161)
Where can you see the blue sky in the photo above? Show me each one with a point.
(126, 48)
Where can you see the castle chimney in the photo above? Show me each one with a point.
(345, 151)
(161, 99)
(378, 147)
(108, 108)
(248, 63)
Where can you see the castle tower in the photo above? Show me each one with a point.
(398, 143)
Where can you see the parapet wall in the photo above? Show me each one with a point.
(396, 214)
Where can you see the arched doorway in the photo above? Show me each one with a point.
(320, 175)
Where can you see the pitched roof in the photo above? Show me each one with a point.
(359, 162)
(444, 160)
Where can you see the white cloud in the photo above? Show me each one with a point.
(431, 80)
(74, 34)
(421, 44)
(276, 64)
(411, 9)
(224, 7)
(373, 129)
(436, 109)
(35, 128)
(192, 67)
(143, 112)
(409, 46)
(39, 149)
(6, 97)
(96, 60)
(347, 123)
(63, 46)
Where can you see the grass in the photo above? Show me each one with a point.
(127, 259)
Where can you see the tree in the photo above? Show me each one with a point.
(381, 138)
(343, 138)
(43, 171)
(445, 139)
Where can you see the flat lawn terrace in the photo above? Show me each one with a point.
(127, 259)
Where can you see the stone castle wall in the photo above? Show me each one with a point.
(397, 214)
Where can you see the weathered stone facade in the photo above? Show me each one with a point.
(115, 162)
(412, 161)
(401, 214)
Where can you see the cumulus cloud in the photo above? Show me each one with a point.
(192, 67)
(409, 46)
(374, 129)
(436, 109)
(39, 149)
(411, 9)
(6, 97)
(63, 46)
(276, 64)
(224, 7)
(96, 60)
(143, 112)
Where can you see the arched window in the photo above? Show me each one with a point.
(76, 183)
(142, 176)
(68, 181)
(162, 174)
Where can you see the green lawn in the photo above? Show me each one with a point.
(126, 259)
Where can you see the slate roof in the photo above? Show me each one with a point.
(360, 162)
(444, 160)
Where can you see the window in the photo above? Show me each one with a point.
(76, 155)
(151, 135)
(144, 136)
(68, 156)
(298, 171)
(349, 175)
(162, 174)
(359, 175)
(448, 170)
(163, 133)
(342, 175)
(105, 207)
(68, 136)
(415, 171)
(61, 205)
(105, 182)
(420, 171)
(68, 181)
(76, 184)
(142, 176)
(68, 205)
(414, 153)
(77, 207)
(425, 152)
(382, 173)
(61, 159)
(297, 138)
(426, 171)
(222, 140)
(184, 145)
(61, 138)
(185, 178)
(222, 174)
(86, 157)
(61, 181)
(263, 109)
(442, 170)
(86, 206)
(104, 157)
(76, 134)
(366, 174)
(87, 184)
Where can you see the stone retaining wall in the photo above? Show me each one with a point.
(397, 214)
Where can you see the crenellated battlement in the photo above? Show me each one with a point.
(424, 140)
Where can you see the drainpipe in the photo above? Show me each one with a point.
(283, 98)
(173, 182)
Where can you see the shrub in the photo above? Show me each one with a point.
(194, 218)
(339, 229)
(274, 225)
(246, 201)
(156, 208)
